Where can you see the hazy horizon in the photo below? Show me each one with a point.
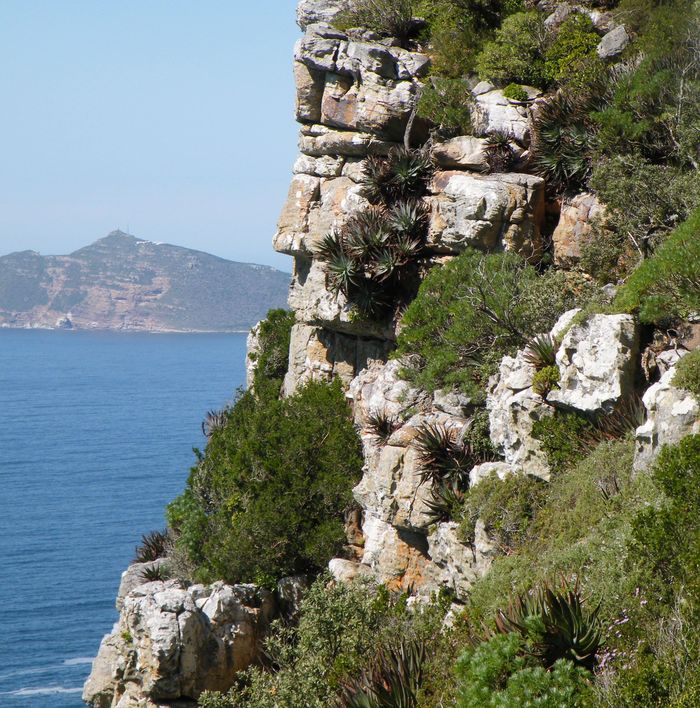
(166, 120)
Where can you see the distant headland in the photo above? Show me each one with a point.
(121, 282)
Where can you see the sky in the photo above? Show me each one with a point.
(170, 119)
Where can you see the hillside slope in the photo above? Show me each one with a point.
(125, 283)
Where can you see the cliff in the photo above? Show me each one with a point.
(511, 413)
(124, 283)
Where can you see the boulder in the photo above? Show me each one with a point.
(173, 642)
(672, 413)
(310, 84)
(494, 112)
(486, 212)
(463, 152)
(326, 166)
(293, 223)
(574, 227)
(613, 43)
(597, 362)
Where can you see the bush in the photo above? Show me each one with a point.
(515, 92)
(571, 58)
(663, 197)
(272, 359)
(667, 538)
(505, 506)
(472, 311)
(546, 380)
(391, 18)
(496, 673)
(667, 285)
(565, 439)
(267, 497)
(688, 373)
(447, 104)
(515, 55)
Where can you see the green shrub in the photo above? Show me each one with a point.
(496, 673)
(267, 497)
(515, 55)
(505, 506)
(663, 197)
(515, 92)
(667, 285)
(272, 359)
(478, 436)
(472, 311)
(565, 439)
(607, 255)
(546, 380)
(667, 538)
(688, 373)
(447, 104)
(571, 58)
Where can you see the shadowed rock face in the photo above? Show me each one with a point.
(121, 282)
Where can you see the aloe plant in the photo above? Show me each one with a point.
(153, 545)
(442, 457)
(556, 624)
(541, 351)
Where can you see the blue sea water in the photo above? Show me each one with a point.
(96, 436)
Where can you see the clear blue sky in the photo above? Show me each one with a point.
(172, 118)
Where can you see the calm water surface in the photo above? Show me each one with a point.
(96, 436)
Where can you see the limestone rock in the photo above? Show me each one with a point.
(315, 304)
(486, 469)
(574, 227)
(134, 576)
(462, 152)
(613, 43)
(486, 211)
(312, 11)
(310, 84)
(597, 363)
(513, 410)
(320, 355)
(252, 350)
(318, 140)
(672, 413)
(326, 166)
(459, 565)
(293, 224)
(290, 593)
(173, 642)
(494, 112)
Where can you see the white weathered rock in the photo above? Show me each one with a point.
(513, 410)
(173, 642)
(459, 565)
(486, 211)
(574, 227)
(486, 469)
(326, 166)
(252, 352)
(597, 362)
(310, 84)
(463, 152)
(672, 413)
(613, 43)
(494, 112)
(344, 571)
(134, 576)
(312, 11)
(318, 140)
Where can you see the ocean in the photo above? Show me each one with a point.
(96, 437)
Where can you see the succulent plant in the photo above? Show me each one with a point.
(213, 421)
(155, 572)
(382, 426)
(153, 545)
(391, 681)
(563, 629)
(402, 174)
(442, 457)
(408, 218)
(499, 152)
(344, 271)
(541, 351)
(446, 498)
(546, 380)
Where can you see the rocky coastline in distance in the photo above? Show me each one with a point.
(127, 284)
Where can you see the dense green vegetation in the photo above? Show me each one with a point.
(474, 310)
(271, 360)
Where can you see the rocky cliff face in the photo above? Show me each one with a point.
(356, 95)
